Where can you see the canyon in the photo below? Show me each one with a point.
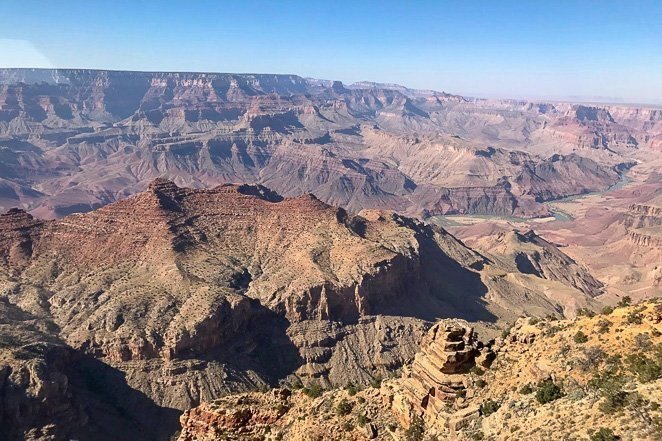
(75, 140)
(206, 256)
(174, 296)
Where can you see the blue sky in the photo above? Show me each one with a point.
(536, 49)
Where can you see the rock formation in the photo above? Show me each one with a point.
(74, 140)
(180, 295)
(540, 381)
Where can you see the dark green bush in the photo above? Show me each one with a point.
(604, 434)
(585, 312)
(548, 391)
(644, 368)
(634, 318)
(477, 370)
(489, 407)
(526, 389)
(344, 407)
(607, 310)
(625, 301)
(376, 381)
(580, 337)
(613, 401)
(603, 326)
(416, 429)
(313, 391)
(351, 389)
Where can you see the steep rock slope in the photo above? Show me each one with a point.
(181, 295)
(549, 380)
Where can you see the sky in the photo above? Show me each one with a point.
(556, 49)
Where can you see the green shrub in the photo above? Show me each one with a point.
(644, 368)
(593, 355)
(613, 401)
(548, 391)
(625, 301)
(534, 321)
(351, 389)
(362, 420)
(313, 391)
(282, 408)
(604, 434)
(609, 384)
(580, 337)
(361, 400)
(376, 381)
(634, 318)
(415, 430)
(526, 389)
(603, 326)
(489, 407)
(643, 341)
(607, 310)
(480, 383)
(585, 312)
(344, 407)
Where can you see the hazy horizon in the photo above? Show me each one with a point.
(593, 52)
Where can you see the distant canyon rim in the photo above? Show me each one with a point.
(169, 238)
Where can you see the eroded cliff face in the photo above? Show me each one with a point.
(180, 295)
(74, 140)
(538, 382)
(176, 296)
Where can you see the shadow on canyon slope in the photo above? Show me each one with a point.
(441, 288)
(116, 410)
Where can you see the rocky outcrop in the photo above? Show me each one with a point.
(641, 215)
(501, 400)
(438, 378)
(646, 237)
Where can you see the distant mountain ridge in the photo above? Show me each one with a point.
(75, 139)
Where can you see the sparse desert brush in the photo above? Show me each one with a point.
(607, 310)
(313, 391)
(592, 357)
(646, 369)
(416, 429)
(643, 342)
(477, 370)
(634, 318)
(376, 381)
(602, 326)
(489, 407)
(603, 434)
(580, 337)
(625, 301)
(351, 389)
(344, 407)
(585, 312)
(548, 391)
